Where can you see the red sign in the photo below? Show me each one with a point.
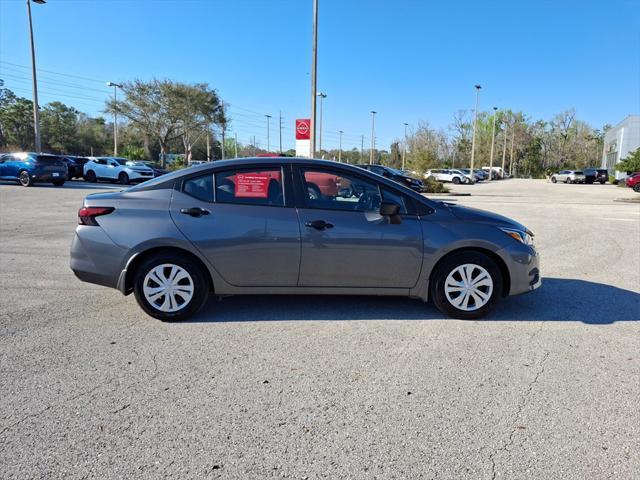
(303, 129)
(252, 185)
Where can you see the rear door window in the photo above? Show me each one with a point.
(250, 187)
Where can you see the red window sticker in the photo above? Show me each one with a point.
(252, 185)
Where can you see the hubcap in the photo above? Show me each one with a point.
(468, 287)
(168, 287)
(24, 178)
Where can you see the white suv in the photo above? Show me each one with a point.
(117, 169)
(447, 175)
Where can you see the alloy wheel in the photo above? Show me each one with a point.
(468, 287)
(168, 287)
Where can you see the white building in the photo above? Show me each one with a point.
(619, 141)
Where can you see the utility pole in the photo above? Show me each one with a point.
(222, 144)
(36, 110)
(473, 141)
(322, 97)
(255, 147)
(493, 139)
(208, 144)
(268, 144)
(504, 151)
(314, 83)
(340, 149)
(236, 144)
(373, 137)
(361, 148)
(404, 149)
(280, 120)
(513, 138)
(115, 116)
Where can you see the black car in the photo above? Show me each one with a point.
(74, 165)
(593, 175)
(157, 170)
(396, 175)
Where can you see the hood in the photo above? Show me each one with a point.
(469, 214)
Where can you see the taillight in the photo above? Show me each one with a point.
(87, 215)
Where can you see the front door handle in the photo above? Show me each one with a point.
(318, 224)
(194, 211)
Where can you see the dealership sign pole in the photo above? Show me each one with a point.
(314, 65)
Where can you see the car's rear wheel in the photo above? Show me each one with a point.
(456, 180)
(58, 183)
(90, 176)
(554, 179)
(25, 179)
(568, 180)
(170, 287)
(123, 178)
(466, 285)
(313, 191)
(636, 188)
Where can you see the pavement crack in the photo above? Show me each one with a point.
(521, 405)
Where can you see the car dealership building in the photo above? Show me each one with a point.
(620, 141)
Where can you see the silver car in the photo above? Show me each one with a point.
(286, 226)
(568, 176)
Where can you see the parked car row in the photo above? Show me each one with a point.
(633, 181)
(588, 175)
(27, 168)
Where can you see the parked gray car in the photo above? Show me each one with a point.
(568, 176)
(284, 226)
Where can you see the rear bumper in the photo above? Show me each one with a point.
(95, 258)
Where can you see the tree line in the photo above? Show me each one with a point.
(158, 117)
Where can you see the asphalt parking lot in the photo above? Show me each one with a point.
(319, 387)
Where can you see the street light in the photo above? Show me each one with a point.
(404, 150)
(314, 83)
(373, 136)
(268, 144)
(322, 97)
(493, 139)
(340, 149)
(473, 141)
(36, 112)
(115, 115)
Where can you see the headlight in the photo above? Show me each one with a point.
(525, 237)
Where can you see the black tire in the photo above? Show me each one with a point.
(636, 188)
(314, 191)
(123, 178)
(90, 176)
(58, 183)
(25, 179)
(602, 182)
(568, 180)
(448, 265)
(554, 179)
(200, 286)
(456, 180)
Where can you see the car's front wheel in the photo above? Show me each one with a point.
(170, 287)
(466, 285)
(123, 178)
(58, 183)
(636, 188)
(456, 180)
(554, 179)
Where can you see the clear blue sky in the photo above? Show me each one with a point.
(411, 60)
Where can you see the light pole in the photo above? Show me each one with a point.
(404, 149)
(268, 144)
(280, 135)
(115, 115)
(36, 112)
(322, 97)
(493, 139)
(361, 148)
(373, 136)
(504, 151)
(340, 149)
(314, 83)
(473, 140)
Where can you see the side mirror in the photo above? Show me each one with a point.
(391, 210)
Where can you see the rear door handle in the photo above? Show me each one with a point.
(194, 211)
(318, 224)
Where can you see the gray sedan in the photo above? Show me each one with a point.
(296, 226)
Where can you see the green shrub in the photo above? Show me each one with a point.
(431, 185)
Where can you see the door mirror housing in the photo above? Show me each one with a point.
(391, 210)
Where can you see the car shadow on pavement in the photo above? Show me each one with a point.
(558, 299)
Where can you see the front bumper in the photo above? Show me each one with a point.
(140, 176)
(523, 263)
